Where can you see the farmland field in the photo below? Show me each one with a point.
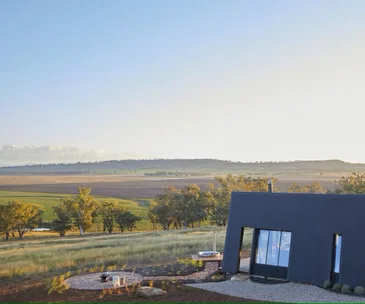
(127, 187)
(135, 193)
(48, 200)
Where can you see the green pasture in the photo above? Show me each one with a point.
(137, 206)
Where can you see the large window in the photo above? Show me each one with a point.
(337, 253)
(273, 248)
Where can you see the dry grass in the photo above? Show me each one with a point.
(49, 256)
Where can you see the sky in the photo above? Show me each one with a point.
(235, 80)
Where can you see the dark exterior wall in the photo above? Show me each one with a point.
(313, 219)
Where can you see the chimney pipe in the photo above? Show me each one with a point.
(270, 186)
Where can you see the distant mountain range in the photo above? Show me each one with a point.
(189, 165)
(13, 155)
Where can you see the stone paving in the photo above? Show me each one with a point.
(92, 280)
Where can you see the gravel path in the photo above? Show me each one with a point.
(286, 292)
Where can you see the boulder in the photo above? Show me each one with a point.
(150, 292)
(360, 291)
(239, 277)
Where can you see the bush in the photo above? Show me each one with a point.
(360, 291)
(337, 287)
(191, 262)
(57, 284)
(327, 284)
(346, 289)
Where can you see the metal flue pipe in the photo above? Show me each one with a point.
(270, 187)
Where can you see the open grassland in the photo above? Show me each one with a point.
(48, 200)
(44, 257)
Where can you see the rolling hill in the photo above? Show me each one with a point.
(186, 165)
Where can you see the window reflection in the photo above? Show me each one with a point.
(262, 247)
(273, 248)
(284, 249)
(338, 253)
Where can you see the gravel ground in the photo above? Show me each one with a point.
(286, 292)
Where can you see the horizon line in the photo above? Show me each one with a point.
(183, 159)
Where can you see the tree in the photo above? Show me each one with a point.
(217, 199)
(295, 188)
(179, 208)
(162, 209)
(109, 212)
(352, 184)
(191, 206)
(83, 209)
(63, 221)
(25, 216)
(126, 220)
(153, 219)
(316, 188)
(6, 221)
(313, 188)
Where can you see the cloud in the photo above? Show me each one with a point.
(18, 155)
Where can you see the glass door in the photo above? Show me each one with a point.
(272, 253)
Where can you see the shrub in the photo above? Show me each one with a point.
(56, 284)
(346, 289)
(327, 284)
(337, 287)
(360, 291)
(68, 274)
(191, 262)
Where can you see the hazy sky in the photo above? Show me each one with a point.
(238, 80)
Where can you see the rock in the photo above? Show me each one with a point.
(360, 291)
(239, 277)
(149, 292)
(327, 285)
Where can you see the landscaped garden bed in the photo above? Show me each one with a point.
(177, 269)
